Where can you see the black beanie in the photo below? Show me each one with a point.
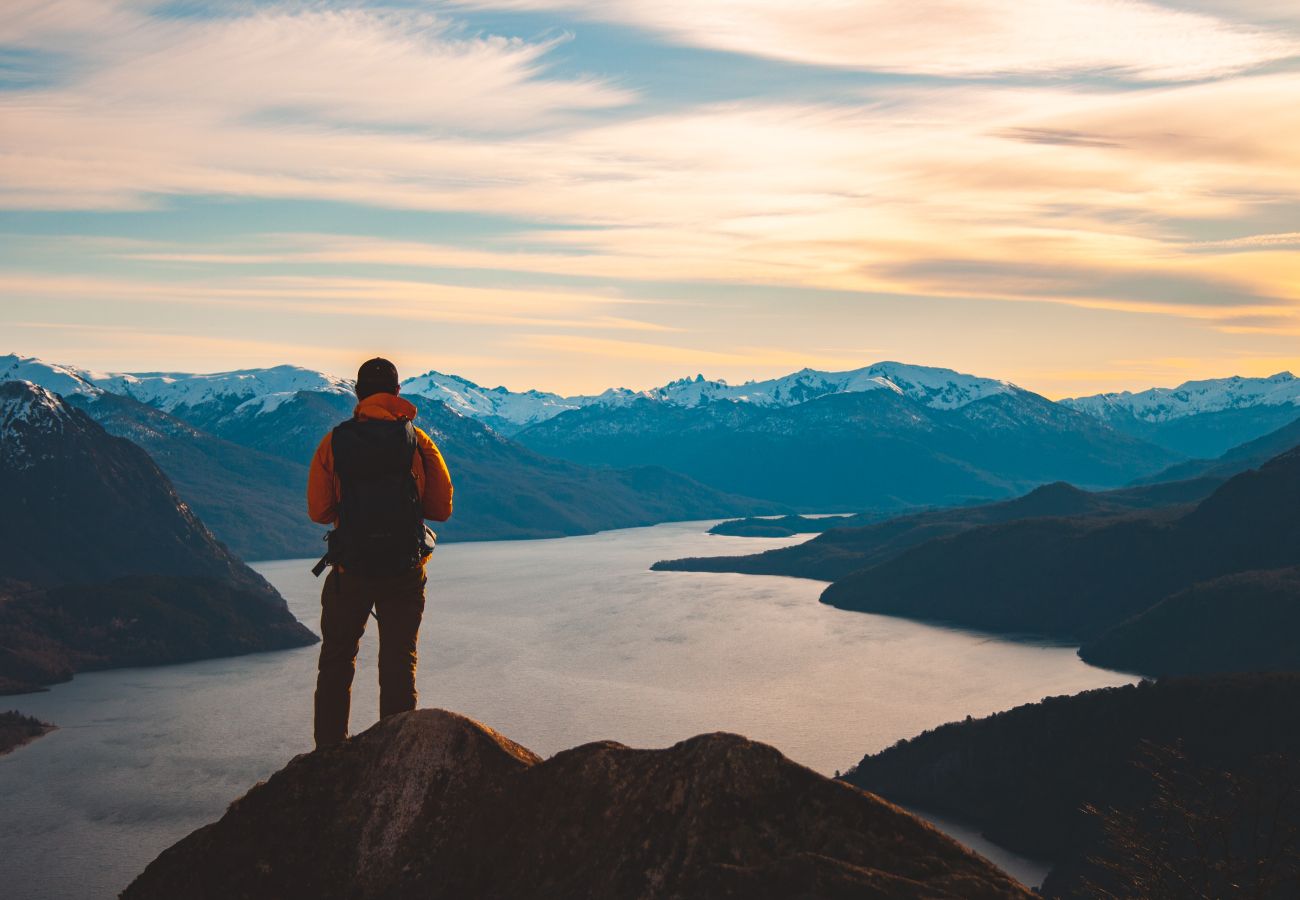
(376, 376)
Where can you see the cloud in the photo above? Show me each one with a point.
(1050, 194)
(346, 297)
(1251, 241)
(299, 65)
(1124, 38)
(118, 348)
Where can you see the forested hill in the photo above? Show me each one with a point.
(1167, 764)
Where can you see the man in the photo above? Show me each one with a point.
(376, 478)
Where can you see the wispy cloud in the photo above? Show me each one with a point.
(350, 297)
(1124, 38)
(1251, 241)
(1109, 193)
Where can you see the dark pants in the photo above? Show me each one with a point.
(346, 601)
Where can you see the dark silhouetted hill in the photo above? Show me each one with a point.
(1158, 760)
(1072, 578)
(430, 804)
(1245, 622)
(843, 549)
(103, 564)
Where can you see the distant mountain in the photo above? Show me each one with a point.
(433, 805)
(877, 449)
(911, 435)
(504, 410)
(503, 490)
(1249, 455)
(201, 400)
(1072, 578)
(237, 447)
(1200, 419)
(508, 411)
(847, 545)
(102, 564)
(253, 501)
(1193, 783)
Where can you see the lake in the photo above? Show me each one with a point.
(553, 643)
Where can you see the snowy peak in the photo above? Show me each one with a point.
(170, 391)
(22, 402)
(1193, 398)
(250, 392)
(62, 380)
(30, 418)
(476, 401)
(938, 388)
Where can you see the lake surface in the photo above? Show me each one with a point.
(553, 643)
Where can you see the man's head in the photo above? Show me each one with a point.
(377, 376)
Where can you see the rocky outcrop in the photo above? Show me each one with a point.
(431, 804)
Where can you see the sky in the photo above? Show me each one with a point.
(1073, 195)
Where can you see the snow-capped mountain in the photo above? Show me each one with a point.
(250, 392)
(936, 388)
(492, 404)
(1200, 419)
(30, 417)
(170, 391)
(1194, 398)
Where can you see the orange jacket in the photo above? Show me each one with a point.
(431, 476)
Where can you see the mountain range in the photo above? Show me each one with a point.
(1200, 418)
(881, 439)
(876, 449)
(1197, 418)
(103, 564)
(237, 446)
(509, 411)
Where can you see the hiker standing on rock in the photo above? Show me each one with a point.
(375, 478)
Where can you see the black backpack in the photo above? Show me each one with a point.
(380, 529)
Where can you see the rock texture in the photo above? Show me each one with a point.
(431, 804)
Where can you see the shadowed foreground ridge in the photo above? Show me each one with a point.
(431, 804)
